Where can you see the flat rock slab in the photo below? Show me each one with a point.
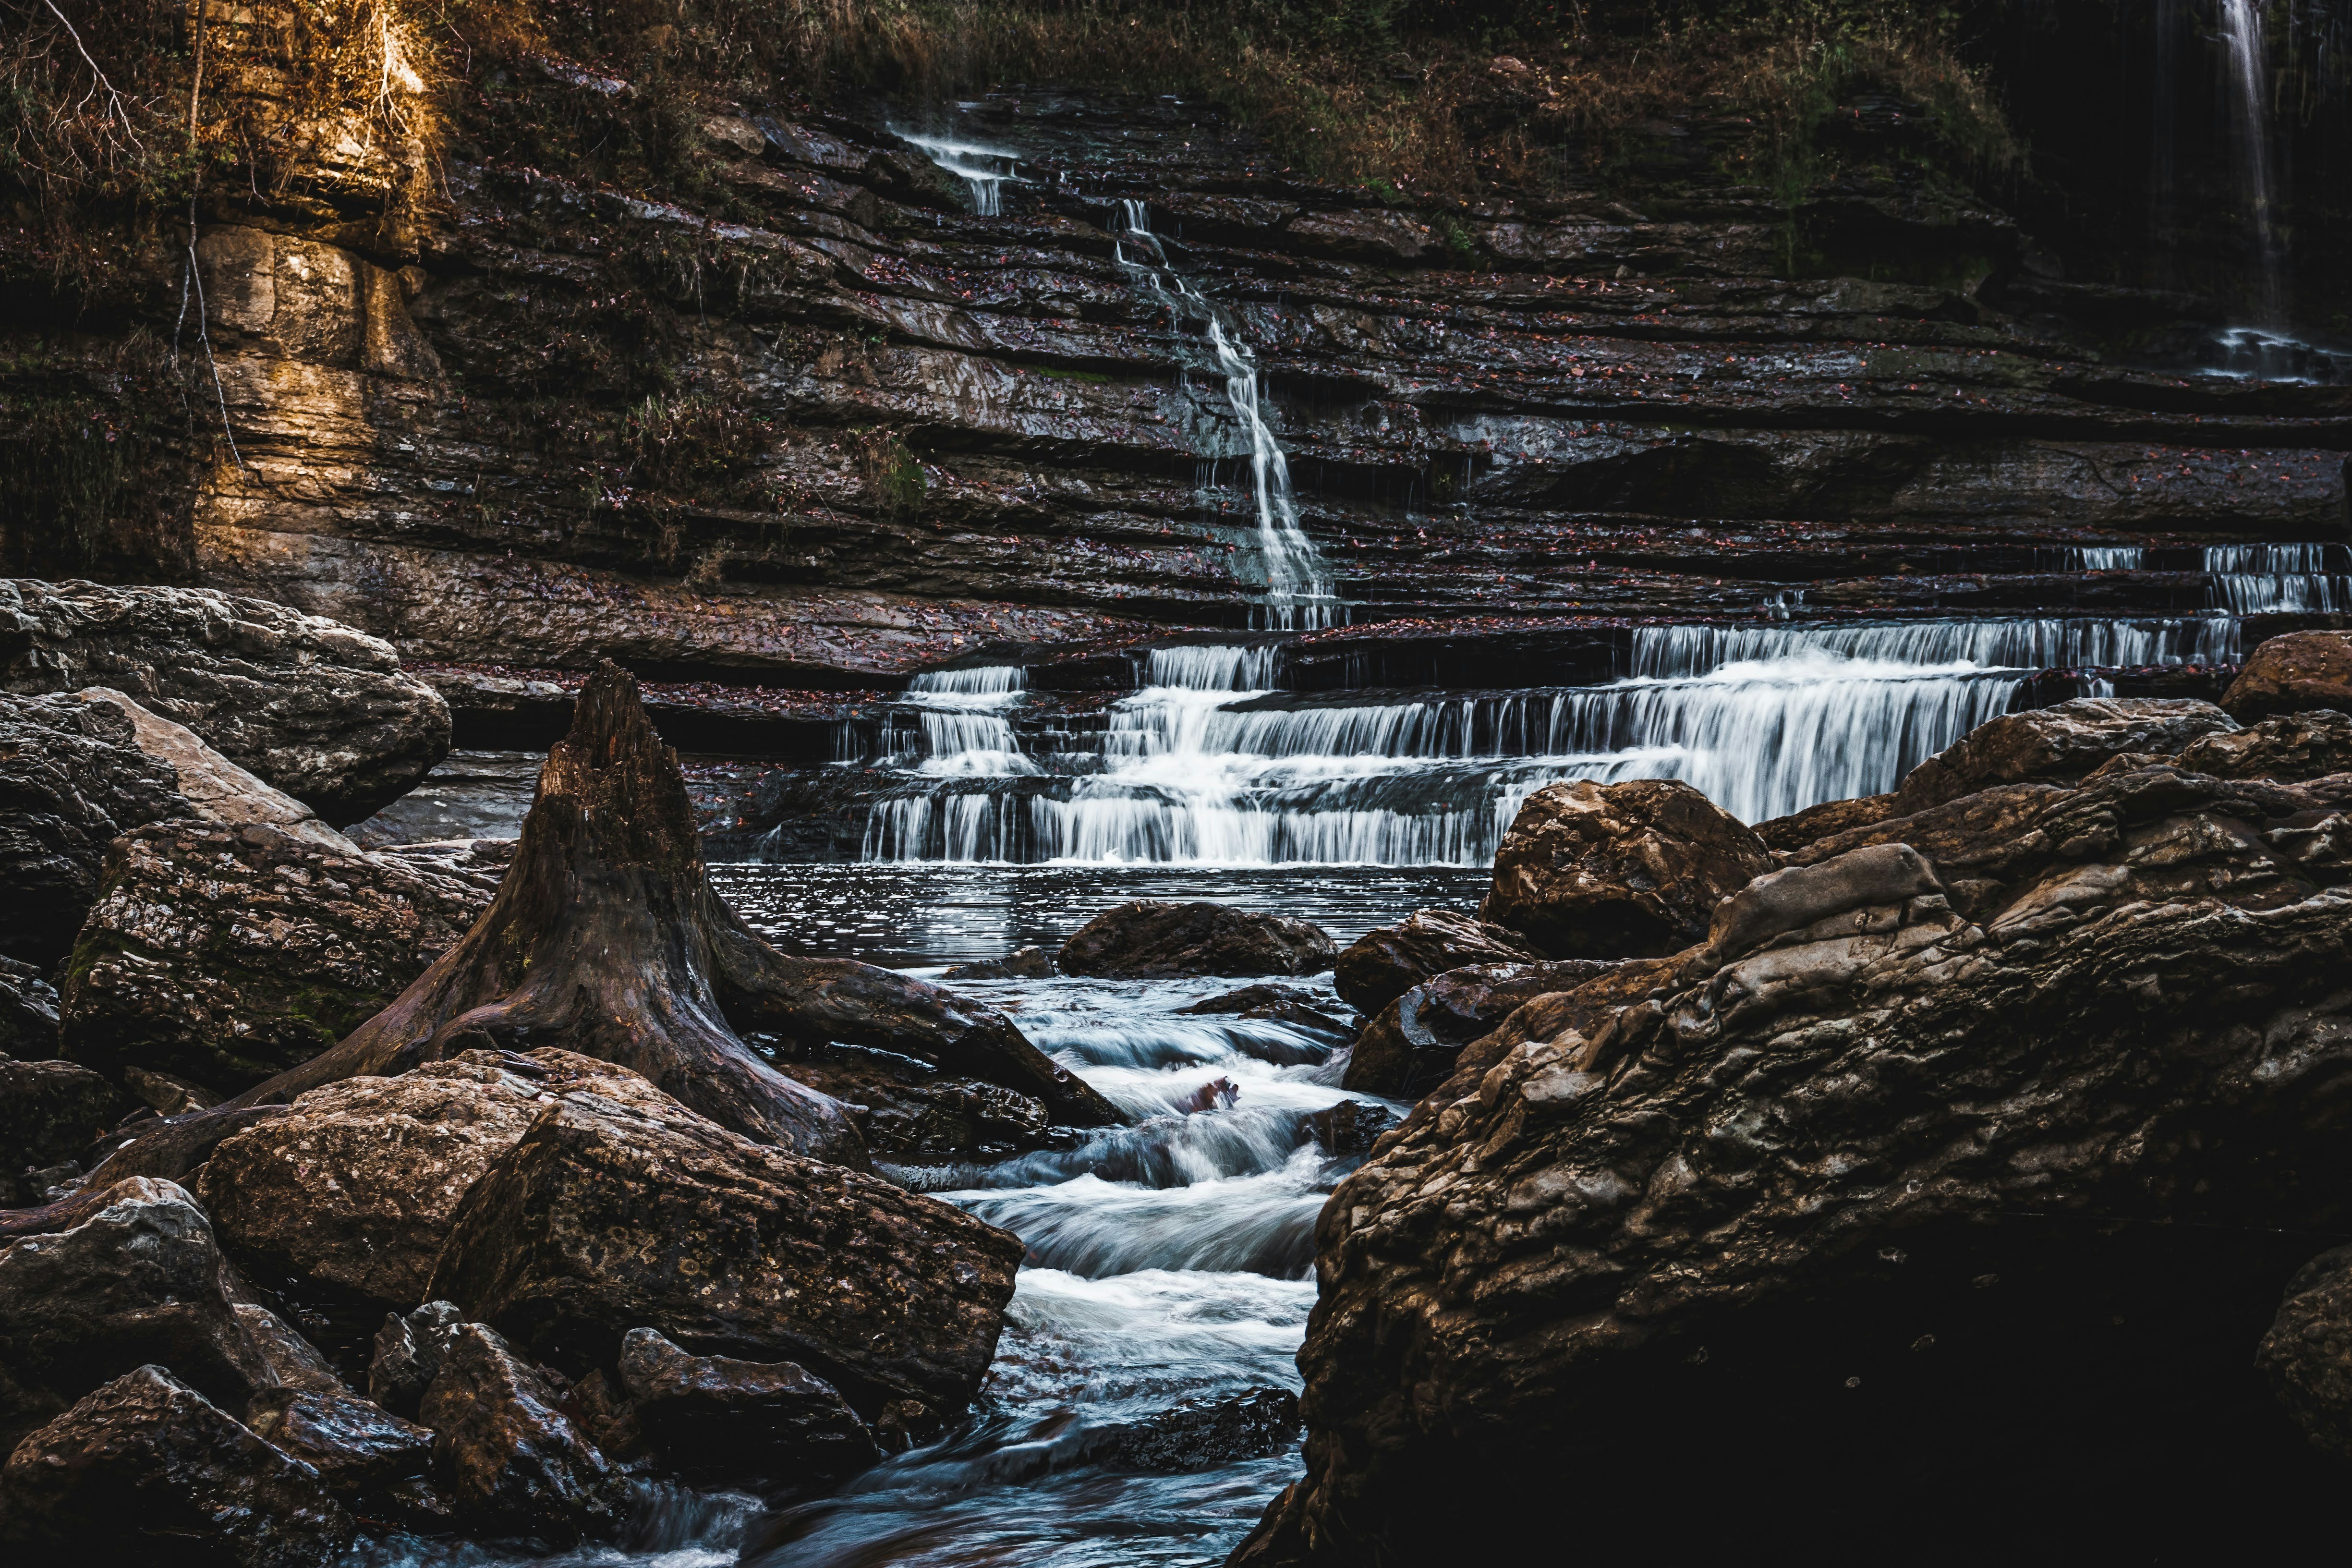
(1146, 938)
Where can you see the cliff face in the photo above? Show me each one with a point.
(813, 422)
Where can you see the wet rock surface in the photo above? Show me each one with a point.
(510, 1460)
(1196, 1434)
(1618, 870)
(1148, 940)
(607, 1217)
(1877, 1165)
(2306, 1356)
(51, 1111)
(71, 777)
(355, 1445)
(2305, 746)
(2057, 745)
(1384, 963)
(903, 1105)
(147, 1470)
(716, 1417)
(1412, 1042)
(29, 1011)
(317, 709)
(2287, 674)
(229, 955)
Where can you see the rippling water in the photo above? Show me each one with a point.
(1168, 1261)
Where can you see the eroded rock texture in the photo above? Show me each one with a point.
(230, 953)
(714, 1417)
(1412, 1042)
(1386, 961)
(512, 1461)
(2057, 744)
(1866, 1186)
(315, 708)
(2287, 674)
(1621, 870)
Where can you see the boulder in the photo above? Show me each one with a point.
(1412, 1042)
(356, 1186)
(2308, 1353)
(1922, 1184)
(1793, 832)
(2058, 744)
(1311, 1030)
(905, 1105)
(320, 710)
(71, 778)
(2288, 674)
(611, 1215)
(1151, 939)
(148, 1470)
(216, 788)
(51, 1111)
(1030, 962)
(228, 954)
(1194, 1434)
(1351, 1128)
(355, 1445)
(512, 1462)
(2294, 746)
(143, 1280)
(1385, 963)
(1619, 871)
(407, 1355)
(716, 1418)
(29, 1011)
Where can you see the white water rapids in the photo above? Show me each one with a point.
(1208, 764)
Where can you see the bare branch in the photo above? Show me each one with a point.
(121, 111)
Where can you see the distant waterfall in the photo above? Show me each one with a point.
(2241, 28)
(2248, 579)
(983, 170)
(1205, 763)
(1298, 591)
(2110, 558)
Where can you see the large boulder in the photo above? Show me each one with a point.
(226, 955)
(140, 1280)
(512, 1461)
(2058, 744)
(1412, 1042)
(356, 1446)
(1148, 939)
(147, 1471)
(905, 1105)
(2288, 674)
(216, 788)
(1386, 961)
(320, 710)
(1979, 1208)
(611, 1215)
(1619, 871)
(71, 778)
(356, 1186)
(717, 1419)
(2308, 1353)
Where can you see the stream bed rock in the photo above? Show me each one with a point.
(1149, 938)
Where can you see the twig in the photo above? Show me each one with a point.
(205, 333)
(121, 111)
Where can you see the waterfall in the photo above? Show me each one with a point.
(2248, 579)
(1206, 763)
(1298, 590)
(2110, 558)
(983, 170)
(2242, 27)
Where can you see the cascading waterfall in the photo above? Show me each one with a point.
(2241, 28)
(2248, 579)
(1298, 591)
(983, 170)
(2110, 558)
(1198, 767)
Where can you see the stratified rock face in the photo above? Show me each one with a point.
(609, 1216)
(511, 1461)
(142, 1280)
(356, 1186)
(1619, 871)
(29, 1011)
(2308, 1354)
(1146, 938)
(229, 955)
(51, 1110)
(148, 1470)
(1817, 822)
(1894, 1175)
(2306, 745)
(1412, 1042)
(2290, 673)
(321, 711)
(2057, 744)
(714, 1417)
(71, 777)
(1385, 963)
